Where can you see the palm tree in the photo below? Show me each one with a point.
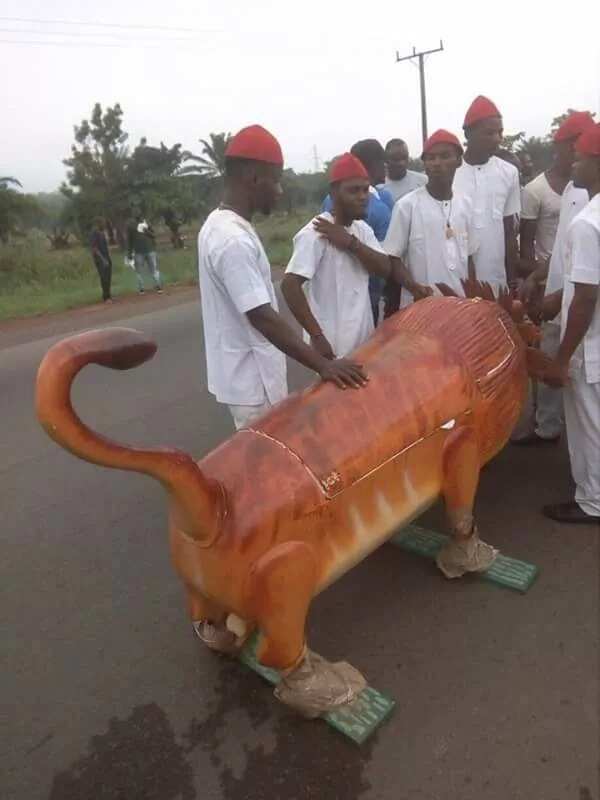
(211, 164)
(6, 180)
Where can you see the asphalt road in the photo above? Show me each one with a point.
(108, 695)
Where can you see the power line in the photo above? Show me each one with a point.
(81, 34)
(132, 42)
(107, 25)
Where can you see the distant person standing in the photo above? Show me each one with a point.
(101, 256)
(493, 186)
(142, 249)
(400, 180)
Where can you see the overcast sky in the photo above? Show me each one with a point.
(314, 73)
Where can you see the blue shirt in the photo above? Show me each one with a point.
(379, 211)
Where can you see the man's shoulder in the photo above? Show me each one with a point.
(224, 231)
(537, 186)
(504, 168)
(307, 231)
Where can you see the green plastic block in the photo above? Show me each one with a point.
(505, 571)
(356, 721)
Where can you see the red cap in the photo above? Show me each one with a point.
(588, 143)
(441, 137)
(480, 108)
(256, 144)
(574, 125)
(347, 167)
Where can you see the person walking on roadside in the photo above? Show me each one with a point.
(101, 256)
(399, 179)
(141, 248)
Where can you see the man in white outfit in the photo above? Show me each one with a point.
(576, 366)
(326, 284)
(550, 202)
(493, 187)
(430, 238)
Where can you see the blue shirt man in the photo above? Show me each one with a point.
(379, 209)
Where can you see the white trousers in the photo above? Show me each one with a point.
(543, 414)
(244, 415)
(582, 415)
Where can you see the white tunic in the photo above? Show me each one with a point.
(583, 266)
(243, 367)
(337, 287)
(541, 204)
(495, 193)
(417, 235)
(572, 201)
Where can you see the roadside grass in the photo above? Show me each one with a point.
(36, 280)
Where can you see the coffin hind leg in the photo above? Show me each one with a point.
(461, 468)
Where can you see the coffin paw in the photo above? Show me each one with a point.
(466, 555)
(317, 686)
(218, 637)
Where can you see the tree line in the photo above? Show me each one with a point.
(108, 178)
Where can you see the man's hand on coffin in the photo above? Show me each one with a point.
(344, 373)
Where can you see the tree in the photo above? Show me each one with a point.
(17, 210)
(539, 150)
(5, 181)
(211, 163)
(107, 180)
(97, 183)
(513, 142)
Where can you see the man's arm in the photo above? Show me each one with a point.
(527, 262)
(291, 288)
(512, 251)
(130, 233)
(401, 275)
(581, 312)
(374, 261)
(471, 272)
(273, 327)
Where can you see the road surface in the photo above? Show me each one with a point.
(108, 694)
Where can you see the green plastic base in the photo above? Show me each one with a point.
(505, 571)
(357, 721)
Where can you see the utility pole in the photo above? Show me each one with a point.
(316, 159)
(421, 57)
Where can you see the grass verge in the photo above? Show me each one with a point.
(35, 280)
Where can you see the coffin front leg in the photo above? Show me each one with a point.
(209, 623)
(461, 468)
(282, 585)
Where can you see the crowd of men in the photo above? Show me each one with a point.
(389, 236)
